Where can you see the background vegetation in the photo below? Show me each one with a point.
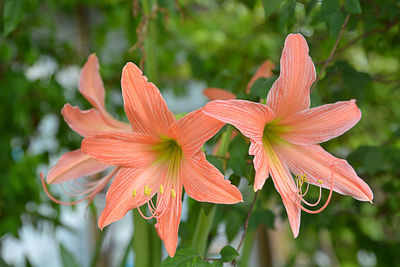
(217, 43)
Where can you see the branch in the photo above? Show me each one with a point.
(331, 55)
(246, 224)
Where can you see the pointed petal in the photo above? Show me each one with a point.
(90, 84)
(249, 117)
(285, 186)
(167, 225)
(194, 129)
(261, 165)
(218, 94)
(144, 104)
(73, 165)
(316, 163)
(203, 182)
(88, 122)
(119, 198)
(264, 71)
(320, 124)
(122, 149)
(291, 92)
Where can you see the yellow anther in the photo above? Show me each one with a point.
(173, 194)
(149, 191)
(134, 193)
(320, 181)
(146, 190)
(161, 189)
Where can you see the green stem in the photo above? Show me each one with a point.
(248, 244)
(204, 223)
(141, 240)
(203, 229)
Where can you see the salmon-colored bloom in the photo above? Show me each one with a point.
(75, 164)
(264, 71)
(160, 157)
(285, 133)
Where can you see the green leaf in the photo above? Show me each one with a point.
(335, 23)
(352, 7)
(217, 162)
(228, 253)
(184, 258)
(249, 3)
(259, 88)
(270, 6)
(3, 263)
(265, 217)
(67, 258)
(12, 15)
(238, 147)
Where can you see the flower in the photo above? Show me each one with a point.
(159, 157)
(75, 164)
(285, 133)
(264, 71)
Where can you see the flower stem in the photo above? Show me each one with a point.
(204, 223)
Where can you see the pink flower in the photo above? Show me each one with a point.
(285, 133)
(75, 164)
(264, 71)
(160, 157)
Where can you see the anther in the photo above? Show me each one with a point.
(134, 193)
(320, 181)
(173, 193)
(146, 190)
(161, 189)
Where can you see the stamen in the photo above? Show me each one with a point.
(134, 193)
(161, 189)
(327, 201)
(173, 194)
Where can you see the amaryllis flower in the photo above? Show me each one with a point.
(264, 71)
(75, 164)
(160, 157)
(285, 133)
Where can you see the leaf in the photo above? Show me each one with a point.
(184, 258)
(270, 6)
(228, 253)
(249, 3)
(287, 16)
(335, 23)
(12, 15)
(352, 7)
(265, 217)
(261, 87)
(67, 258)
(217, 162)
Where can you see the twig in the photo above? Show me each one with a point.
(346, 20)
(362, 36)
(246, 224)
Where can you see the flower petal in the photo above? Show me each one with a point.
(168, 224)
(144, 104)
(261, 165)
(316, 163)
(320, 124)
(291, 91)
(90, 83)
(88, 122)
(203, 182)
(264, 71)
(194, 129)
(119, 198)
(122, 149)
(249, 117)
(73, 165)
(285, 186)
(218, 94)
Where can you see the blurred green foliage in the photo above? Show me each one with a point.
(221, 43)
